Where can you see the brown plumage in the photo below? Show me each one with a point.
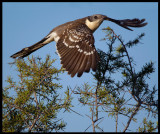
(75, 42)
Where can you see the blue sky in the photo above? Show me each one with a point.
(25, 23)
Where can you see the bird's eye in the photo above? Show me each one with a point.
(95, 17)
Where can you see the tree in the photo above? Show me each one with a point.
(125, 97)
(32, 104)
(35, 103)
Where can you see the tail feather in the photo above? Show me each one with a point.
(28, 50)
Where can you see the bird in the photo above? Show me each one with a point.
(75, 42)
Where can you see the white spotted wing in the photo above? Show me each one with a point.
(76, 50)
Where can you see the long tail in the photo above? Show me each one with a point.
(28, 50)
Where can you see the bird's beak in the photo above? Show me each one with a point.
(128, 22)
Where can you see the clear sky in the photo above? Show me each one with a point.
(25, 23)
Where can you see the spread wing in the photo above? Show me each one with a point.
(76, 50)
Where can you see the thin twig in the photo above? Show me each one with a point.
(96, 104)
(131, 117)
(125, 51)
(92, 118)
(34, 122)
(116, 121)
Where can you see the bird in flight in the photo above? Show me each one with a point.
(75, 42)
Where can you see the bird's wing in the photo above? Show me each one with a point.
(77, 51)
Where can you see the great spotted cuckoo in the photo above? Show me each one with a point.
(75, 42)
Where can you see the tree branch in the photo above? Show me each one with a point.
(34, 122)
(131, 117)
(116, 121)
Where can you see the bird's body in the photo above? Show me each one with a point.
(75, 44)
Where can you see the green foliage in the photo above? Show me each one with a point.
(148, 126)
(120, 49)
(125, 96)
(135, 41)
(32, 104)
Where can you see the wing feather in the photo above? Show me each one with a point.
(76, 50)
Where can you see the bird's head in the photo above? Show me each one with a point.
(94, 21)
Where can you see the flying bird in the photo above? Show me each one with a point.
(75, 42)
